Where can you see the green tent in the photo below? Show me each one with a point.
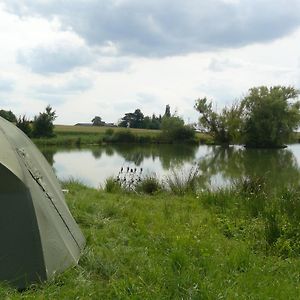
(38, 234)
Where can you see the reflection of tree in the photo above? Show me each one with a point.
(169, 155)
(97, 152)
(109, 151)
(49, 153)
(279, 166)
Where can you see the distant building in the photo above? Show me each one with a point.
(91, 124)
(83, 124)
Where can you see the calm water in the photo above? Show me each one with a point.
(218, 166)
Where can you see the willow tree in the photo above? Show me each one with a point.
(270, 116)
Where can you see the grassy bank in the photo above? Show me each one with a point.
(208, 245)
(66, 135)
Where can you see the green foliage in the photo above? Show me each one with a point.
(167, 111)
(225, 127)
(265, 118)
(111, 185)
(133, 120)
(162, 247)
(182, 182)
(124, 137)
(269, 116)
(25, 125)
(109, 132)
(174, 130)
(149, 185)
(97, 121)
(43, 123)
(8, 115)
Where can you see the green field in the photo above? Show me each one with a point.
(69, 129)
(68, 135)
(217, 245)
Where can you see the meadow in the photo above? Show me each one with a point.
(181, 243)
(68, 135)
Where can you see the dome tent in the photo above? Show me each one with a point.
(38, 235)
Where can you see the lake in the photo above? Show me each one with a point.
(218, 166)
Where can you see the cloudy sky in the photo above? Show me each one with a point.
(109, 57)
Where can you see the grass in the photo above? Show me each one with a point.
(166, 246)
(67, 135)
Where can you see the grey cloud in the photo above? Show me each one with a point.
(55, 59)
(169, 27)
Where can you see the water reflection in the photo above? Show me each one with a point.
(218, 166)
(93, 165)
(279, 167)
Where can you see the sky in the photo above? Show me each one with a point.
(105, 58)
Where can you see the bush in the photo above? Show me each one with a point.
(180, 182)
(24, 124)
(174, 130)
(111, 185)
(149, 185)
(124, 137)
(109, 132)
(43, 123)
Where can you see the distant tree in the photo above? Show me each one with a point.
(24, 124)
(133, 120)
(43, 123)
(174, 130)
(225, 126)
(97, 121)
(167, 111)
(270, 116)
(8, 115)
(155, 122)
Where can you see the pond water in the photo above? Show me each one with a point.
(218, 166)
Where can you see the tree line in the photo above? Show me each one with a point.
(40, 126)
(137, 119)
(266, 117)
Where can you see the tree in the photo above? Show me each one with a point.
(174, 130)
(270, 116)
(43, 123)
(133, 120)
(97, 121)
(167, 111)
(24, 124)
(224, 126)
(8, 115)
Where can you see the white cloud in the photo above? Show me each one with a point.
(107, 58)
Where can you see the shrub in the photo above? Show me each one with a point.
(43, 123)
(149, 185)
(182, 182)
(124, 137)
(24, 124)
(109, 132)
(112, 185)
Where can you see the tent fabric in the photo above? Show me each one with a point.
(38, 234)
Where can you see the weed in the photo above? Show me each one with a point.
(181, 182)
(149, 185)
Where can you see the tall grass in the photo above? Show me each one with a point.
(181, 182)
(206, 245)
